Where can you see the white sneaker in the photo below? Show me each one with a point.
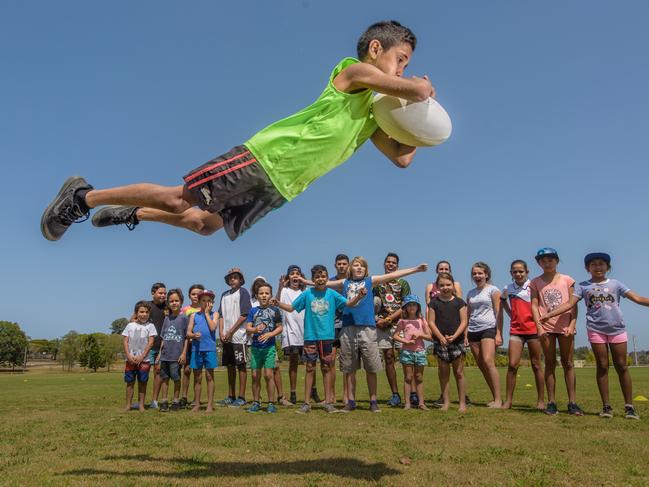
(153, 405)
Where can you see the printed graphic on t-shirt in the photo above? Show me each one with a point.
(600, 297)
(552, 298)
(172, 335)
(320, 306)
(354, 288)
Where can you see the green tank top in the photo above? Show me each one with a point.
(299, 149)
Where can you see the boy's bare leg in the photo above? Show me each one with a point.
(243, 379)
(279, 387)
(129, 396)
(256, 384)
(270, 385)
(199, 221)
(164, 390)
(176, 391)
(209, 377)
(141, 392)
(173, 199)
(187, 375)
(309, 379)
(329, 373)
(198, 373)
(372, 384)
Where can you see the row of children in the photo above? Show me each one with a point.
(317, 322)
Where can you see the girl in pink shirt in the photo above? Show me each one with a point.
(549, 291)
(410, 332)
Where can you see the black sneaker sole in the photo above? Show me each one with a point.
(66, 185)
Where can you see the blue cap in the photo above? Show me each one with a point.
(546, 252)
(410, 298)
(292, 268)
(597, 255)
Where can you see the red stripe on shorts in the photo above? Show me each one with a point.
(214, 166)
(222, 173)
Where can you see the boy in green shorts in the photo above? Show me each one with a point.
(235, 190)
(264, 323)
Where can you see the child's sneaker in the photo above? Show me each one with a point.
(439, 402)
(116, 215)
(467, 400)
(175, 406)
(183, 402)
(68, 207)
(349, 407)
(607, 411)
(238, 402)
(330, 408)
(551, 409)
(285, 402)
(153, 405)
(164, 407)
(395, 400)
(226, 402)
(293, 398)
(304, 409)
(414, 399)
(271, 408)
(374, 407)
(629, 412)
(574, 409)
(255, 408)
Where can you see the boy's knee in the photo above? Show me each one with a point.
(512, 368)
(536, 365)
(567, 364)
(310, 367)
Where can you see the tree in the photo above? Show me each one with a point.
(91, 354)
(111, 346)
(118, 325)
(13, 342)
(69, 349)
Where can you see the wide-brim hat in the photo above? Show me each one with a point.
(410, 298)
(234, 270)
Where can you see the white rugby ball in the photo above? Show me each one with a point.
(419, 124)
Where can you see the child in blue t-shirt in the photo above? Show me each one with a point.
(202, 332)
(605, 326)
(263, 323)
(320, 305)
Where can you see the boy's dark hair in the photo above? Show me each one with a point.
(341, 257)
(391, 254)
(318, 268)
(142, 304)
(156, 286)
(389, 33)
(257, 284)
(195, 286)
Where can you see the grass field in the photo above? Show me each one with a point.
(68, 429)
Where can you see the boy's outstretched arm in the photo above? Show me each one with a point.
(367, 76)
(380, 279)
(400, 154)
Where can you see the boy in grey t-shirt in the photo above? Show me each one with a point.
(173, 349)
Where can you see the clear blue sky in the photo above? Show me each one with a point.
(549, 103)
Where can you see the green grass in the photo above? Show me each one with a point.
(67, 429)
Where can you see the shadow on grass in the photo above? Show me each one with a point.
(195, 468)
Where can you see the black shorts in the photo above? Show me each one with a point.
(235, 186)
(524, 338)
(234, 355)
(292, 350)
(476, 336)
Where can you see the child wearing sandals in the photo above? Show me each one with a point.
(411, 330)
(447, 319)
(605, 326)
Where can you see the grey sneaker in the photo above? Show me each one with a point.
(607, 411)
(630, 413)
(116, 215)
(153, 405)
(374, 407)
(237, 403)
(330, 408)
(65, 209)
(304, 409)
